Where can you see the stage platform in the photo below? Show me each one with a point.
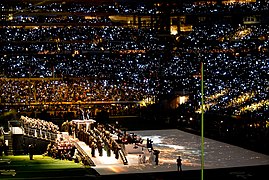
(172, 143)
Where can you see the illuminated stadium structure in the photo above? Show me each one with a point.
(132, 66)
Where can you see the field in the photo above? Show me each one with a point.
(42, 167)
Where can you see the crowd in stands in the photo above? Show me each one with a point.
(240, 71)
(59, 19)
(84, 90)
(229, 7)
(83, 38)
(235, 58)
(125, 79)
(187, 7)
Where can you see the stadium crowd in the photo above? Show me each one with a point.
(235, 59)
(135, 76)
(189, 7)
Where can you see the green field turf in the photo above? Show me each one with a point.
(42, 167)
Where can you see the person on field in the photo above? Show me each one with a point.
(179, 164)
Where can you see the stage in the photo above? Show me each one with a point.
(172, 143)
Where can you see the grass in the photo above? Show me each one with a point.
(43, 167)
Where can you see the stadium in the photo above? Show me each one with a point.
(95, 83)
